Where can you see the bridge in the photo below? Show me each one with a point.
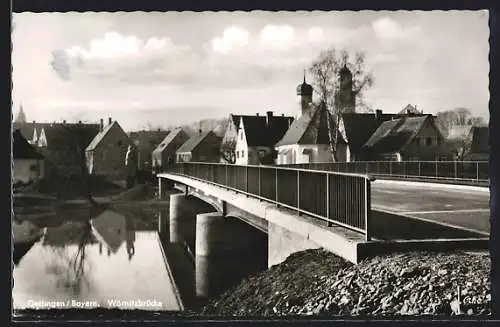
(349, 214)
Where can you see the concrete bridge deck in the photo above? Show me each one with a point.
(394, 224)
(465, 207)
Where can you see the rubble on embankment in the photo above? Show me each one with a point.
(316, 282)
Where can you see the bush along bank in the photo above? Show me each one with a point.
(316, 282)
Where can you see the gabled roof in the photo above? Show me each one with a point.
(359, 127)
(58, 135)
(168, 139)
(191, 144)
(22, 149)
(265, 131)
(147, 140)
(394, 135)
(480, 140)
(100, 136)
(309, 129)
(235, 119)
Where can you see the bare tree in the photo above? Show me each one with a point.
(458, 117)
(228, 151)
(325, 70)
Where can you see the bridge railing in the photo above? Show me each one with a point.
(473, 171)
(335, 198)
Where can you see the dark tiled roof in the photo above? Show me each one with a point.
(480, 143)
(100, 136)
(70, 134)
(168, 139)
(391, 136)
(191, 144)
(22, 149)
(309, 129)
(147, 140)
(264, 131)
(359, 127)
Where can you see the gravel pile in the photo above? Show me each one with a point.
(316, 282)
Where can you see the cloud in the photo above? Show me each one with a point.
(388, 29)
(125, 58)
(276, 37)
(232, 38)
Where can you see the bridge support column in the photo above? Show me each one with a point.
(163, 226)
(160, 188)
(227, 250)
(182, 218)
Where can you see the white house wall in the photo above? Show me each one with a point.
(320, 153)
(241, 145)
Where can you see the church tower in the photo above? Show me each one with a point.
(21, 116)
(305, 93)
(346, 96)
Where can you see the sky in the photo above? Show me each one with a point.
(165, 69)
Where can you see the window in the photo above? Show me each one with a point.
(237, 154)
(428, 141)
(119, 142)
(241, 135)
(242, 154)
(33, 168)
(421, 140)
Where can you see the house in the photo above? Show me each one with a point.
(406, 139)
(202, 147)
(308, 139)
(257, 137)
(64, 147)
(106, 153)
(228, 144)
(145, 143)
(28, 163)
(110, 229)
(164, 153)
(479, 149)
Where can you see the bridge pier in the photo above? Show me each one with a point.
(182, 218)
(163, 226)
(227, 250)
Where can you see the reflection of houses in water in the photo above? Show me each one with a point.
(112, 229)
(69, 233)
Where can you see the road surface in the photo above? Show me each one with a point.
(460, 206)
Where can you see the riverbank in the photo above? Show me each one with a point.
(316, 282)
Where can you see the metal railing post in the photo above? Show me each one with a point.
(227, 178)
(390, 168)
(276, 185)
(437, 173)
(477, 170)
(260, 178)
(246, 179)
(455, 169)
(298, 191)
(368, 210)
(329, 224)
(419, 169)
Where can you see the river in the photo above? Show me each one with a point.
(113, 258)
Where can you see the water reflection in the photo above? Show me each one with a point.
(90, 257)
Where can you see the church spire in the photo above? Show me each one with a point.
(305, 76)
(21, 116)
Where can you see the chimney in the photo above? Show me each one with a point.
(282, 115)
(110, 121)
(378, 113)
(79, 122)
(64, 121)
(269, 115)
(34, 122)
(257, 114)
(101, 125)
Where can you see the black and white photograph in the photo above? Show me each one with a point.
(282, 164)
